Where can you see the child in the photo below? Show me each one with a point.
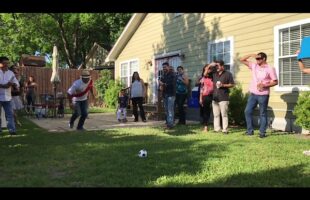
(122, 105)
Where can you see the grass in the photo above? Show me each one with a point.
(94, 110)
(184, 157)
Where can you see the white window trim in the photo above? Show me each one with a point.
(231, 39)
(177, 14)
(276, 29)
(128, 61)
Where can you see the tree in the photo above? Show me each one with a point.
(73, 33)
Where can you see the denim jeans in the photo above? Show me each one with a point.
(262, 101)
(80, 109)
(7, 107)
(169, 109)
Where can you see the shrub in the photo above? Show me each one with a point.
(237, 104)
(111, 93)
(302, 111)
(102, 83)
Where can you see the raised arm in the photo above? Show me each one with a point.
(302, 67)
(245, 61)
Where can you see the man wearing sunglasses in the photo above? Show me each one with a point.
(263, 77)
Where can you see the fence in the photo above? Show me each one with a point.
(42, 76)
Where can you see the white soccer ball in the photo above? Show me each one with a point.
(142, 153)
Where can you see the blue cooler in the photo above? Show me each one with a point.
(193, 102)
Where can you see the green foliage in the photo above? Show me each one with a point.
(73, 33)
(111, 93)
(102, 83)
(237, 104)
(302, 110)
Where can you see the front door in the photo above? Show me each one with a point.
(173, 61)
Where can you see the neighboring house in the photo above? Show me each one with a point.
(194, 39)
(96, 57)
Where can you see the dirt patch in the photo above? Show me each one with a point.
(303, 136)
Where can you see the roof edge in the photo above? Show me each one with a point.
(127, 33)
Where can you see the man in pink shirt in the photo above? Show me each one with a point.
(263, 77)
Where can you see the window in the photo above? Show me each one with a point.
(288, 38)
(177, 14)
(174, 60)
(222, 50)
(126, 71)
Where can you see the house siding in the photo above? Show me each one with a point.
(190, 33)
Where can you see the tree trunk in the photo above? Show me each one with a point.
(68, 53)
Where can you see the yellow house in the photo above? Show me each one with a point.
(194, 39)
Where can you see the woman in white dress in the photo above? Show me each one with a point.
(137, 93)
(16, 92)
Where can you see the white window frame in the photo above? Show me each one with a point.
(231, 40)
(177, 14)
(155, 77)
(276, 29)
(128, 68)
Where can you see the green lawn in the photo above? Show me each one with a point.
(182, 157)
(94, 110)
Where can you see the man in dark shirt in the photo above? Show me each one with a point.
(223, 80)
(168, 84)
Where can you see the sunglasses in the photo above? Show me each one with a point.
(258, 58)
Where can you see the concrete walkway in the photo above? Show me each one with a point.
(98, 121)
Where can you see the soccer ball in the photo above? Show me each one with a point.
(142, 153)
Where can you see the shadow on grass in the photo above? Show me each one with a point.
(180, 130)
(292, 176)
(100, 158)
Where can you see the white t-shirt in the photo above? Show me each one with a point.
(5, 77)
(77, 87)
(136, 89)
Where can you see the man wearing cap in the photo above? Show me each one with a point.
(77, 95)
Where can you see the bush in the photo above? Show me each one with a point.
(302, 111)
(237, 104)
(102, 83)
(111, 93)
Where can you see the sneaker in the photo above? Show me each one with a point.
(70, 125)
(81, 129)
(225, 132)
(12, 133)
(249, 134)
(119, 120)
(262, 136)
(169, 127)
(125, 120)
(144, 120)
